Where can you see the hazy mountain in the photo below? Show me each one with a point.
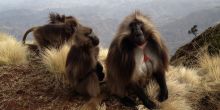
(172, 17)
(176, 32)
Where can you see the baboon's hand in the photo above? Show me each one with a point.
(128, 101)
(150, 104)
(99, 71)
(163, 95)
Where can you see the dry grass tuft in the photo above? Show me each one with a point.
(12, 51)
(211, 65)
(176, 100)
(4, 36)
(185, 85)
(55, 61)
(184, 75)
(103, 54)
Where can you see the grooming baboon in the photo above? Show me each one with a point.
(54, 18)
(53, 35)
(82, 67)
(136, 55)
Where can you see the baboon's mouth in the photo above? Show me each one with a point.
(142, 45)
(95, 42)
(139, 40)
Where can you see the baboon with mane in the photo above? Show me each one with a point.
(136, 55)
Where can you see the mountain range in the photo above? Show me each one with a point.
(172, 17)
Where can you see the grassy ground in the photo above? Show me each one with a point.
(34, 85)
(30, 86)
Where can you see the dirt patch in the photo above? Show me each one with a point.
(30, 86)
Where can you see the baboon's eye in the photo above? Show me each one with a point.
(74, 24)
(141, 24)
(135, 24)
(131, 25)
(89, 32)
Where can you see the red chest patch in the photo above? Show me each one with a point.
(146, 58)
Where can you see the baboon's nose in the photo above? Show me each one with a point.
(95, 41)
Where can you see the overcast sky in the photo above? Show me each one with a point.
(7, 4)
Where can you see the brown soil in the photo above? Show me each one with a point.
(30, 86)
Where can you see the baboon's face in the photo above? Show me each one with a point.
(137, 32)
(71, 26)
(86, 35)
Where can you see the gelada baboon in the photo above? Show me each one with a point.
(55, 18)
(53, 35)
(136, 55)
(82, 68)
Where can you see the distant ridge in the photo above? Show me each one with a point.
(188, 54)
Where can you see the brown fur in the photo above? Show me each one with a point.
(53, 35)
(81, 66)
(55, 18)
(120, 63)
(33, 48)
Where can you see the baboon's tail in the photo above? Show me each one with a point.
(26, 33)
